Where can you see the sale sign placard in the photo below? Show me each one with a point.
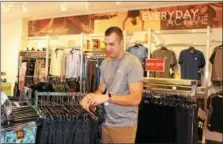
(155, 65)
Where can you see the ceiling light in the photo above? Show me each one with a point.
(63, 6)
(87, 4)
(25, 7)
(118, 3)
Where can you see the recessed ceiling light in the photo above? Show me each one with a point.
(63, 6)
(118, 3)
(25, 7)
(87, 4)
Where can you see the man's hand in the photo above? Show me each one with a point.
(85, 102)
(97, 99)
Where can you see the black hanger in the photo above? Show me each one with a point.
(138, 45)
(191, 49)
(220, 45)
(163, 48)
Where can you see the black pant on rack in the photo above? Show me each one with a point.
(166, 121)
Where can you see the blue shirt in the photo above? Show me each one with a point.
(140, 52)
(191, 63)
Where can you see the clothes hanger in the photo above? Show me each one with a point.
(220, 94)
(163, 48)
(191, 48)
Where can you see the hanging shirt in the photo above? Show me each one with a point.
(191, 64)
(215, 107)
(57, 66)
(170, 62)
(73, 64)
(140, 52)
(216, 60)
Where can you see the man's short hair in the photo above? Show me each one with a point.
(116, 30)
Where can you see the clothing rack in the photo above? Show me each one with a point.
(55, 94)
(206, 31)
(62, 110)
(216, 41)
(164, 105)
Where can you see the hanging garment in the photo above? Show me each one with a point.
(22, 75)
(57, 66)
(68, 123)
(91, 79)
(98, 72)
(168, 119)
(191, 64)
(39, 71)
(73, 64)
(74, 85)
(29, 71)
(170, 62)
(215, 112)
(216, 60)
(140, 52)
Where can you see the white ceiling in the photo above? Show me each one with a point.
(38, 10)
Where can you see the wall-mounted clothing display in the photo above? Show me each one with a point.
(140, 52)
(216, 60)
(170, 62)
(192, 62)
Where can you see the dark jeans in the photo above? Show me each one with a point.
(167, 120)
(76, 130)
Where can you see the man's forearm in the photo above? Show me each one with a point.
(125, 100)
(99, 91)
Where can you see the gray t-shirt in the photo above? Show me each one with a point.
(117, 75)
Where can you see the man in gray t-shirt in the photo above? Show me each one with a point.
(122, 79)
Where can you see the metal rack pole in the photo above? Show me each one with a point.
(149, 45)
(82, 49)
(206, 83)
(47, 57)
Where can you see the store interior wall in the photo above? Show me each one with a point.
(14, 34)
(11, 32)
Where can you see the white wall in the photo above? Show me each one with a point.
(11, 31)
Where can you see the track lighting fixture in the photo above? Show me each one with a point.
(25, 7)
(87, 4)
(63, 6)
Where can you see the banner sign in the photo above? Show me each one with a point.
(196, 16)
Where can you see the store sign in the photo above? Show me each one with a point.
(155, 65)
